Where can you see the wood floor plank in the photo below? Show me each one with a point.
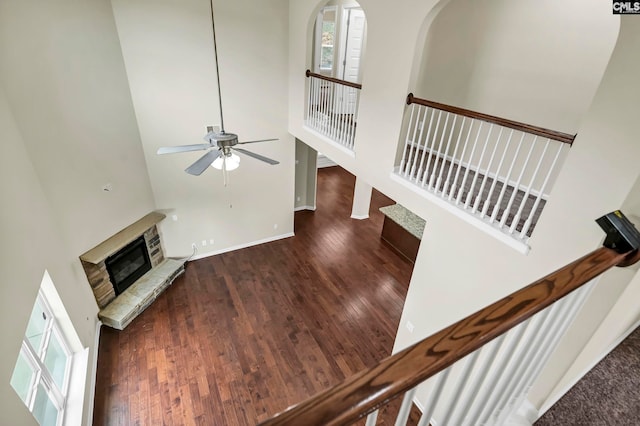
(243, 335)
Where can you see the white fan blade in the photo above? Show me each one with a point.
(183, 148)
(202, 163)
(261, 140)
(258, 156)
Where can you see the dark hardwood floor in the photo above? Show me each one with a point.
(243, 335)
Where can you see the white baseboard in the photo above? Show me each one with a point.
(300, 208)
(324, 161)
(550, 403)
(245, 245)
(94, 371)
(359, 217)
(526, 415)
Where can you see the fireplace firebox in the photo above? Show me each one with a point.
(128, 264)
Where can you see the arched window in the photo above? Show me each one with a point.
(339, 40)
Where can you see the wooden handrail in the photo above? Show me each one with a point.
(528, 128)
(368, 390)
(308, 73)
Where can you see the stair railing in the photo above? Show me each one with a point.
(495, 169)
(332, 108)
(493, 355)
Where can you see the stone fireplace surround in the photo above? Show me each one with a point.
(118, 311)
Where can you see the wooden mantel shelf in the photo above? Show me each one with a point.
(105, 249)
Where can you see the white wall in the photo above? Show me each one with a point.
(538, 62)
(21, 263)
(65, 79)
(609, 312)
(306, 176)
(67, 129)
(460, 269)
(31, 244)
(168, 53)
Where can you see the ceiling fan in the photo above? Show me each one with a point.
(221, 146)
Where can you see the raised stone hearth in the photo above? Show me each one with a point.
(118, 311)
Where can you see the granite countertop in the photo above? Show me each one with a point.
(405, 218)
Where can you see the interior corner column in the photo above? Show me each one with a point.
(361, 200)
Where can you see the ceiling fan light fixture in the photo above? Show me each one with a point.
(220, 143)
(232, 162)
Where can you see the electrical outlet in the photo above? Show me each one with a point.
(410, 326)
(211, 241)
(204, 243)
(297, 198)
(275, 226)
(174, 217)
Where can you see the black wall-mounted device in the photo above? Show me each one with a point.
(622, 235)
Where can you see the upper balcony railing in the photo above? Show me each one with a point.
(478, 370)
(332, 108)
(498, 170)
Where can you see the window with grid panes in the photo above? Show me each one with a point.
(41, 374)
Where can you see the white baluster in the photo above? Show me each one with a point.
(427, 148)
(525, 197)
(406, 142)
(434, 396)
(326, 109)
(355, 117)
(573, 302)
(476, 385)
(507, 179)
(505, 214)
(485, 208)
(332, 111)
(478, 168)
(487, 173)
(372, 419)
(529, 220)
(464, 150)
(426, 141)
(339, 117)
(405, 408)
(340, 112)
(412, 151)
(427, 168)
(530, 347)
(470, 363)
(309, 103)
(437, 156)
(466, 172)
(310, 99)
(345, 117)
(322, 110)
(501, 375)
(416, 145)
(453, 158)
(445, 154)
(318, 103)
